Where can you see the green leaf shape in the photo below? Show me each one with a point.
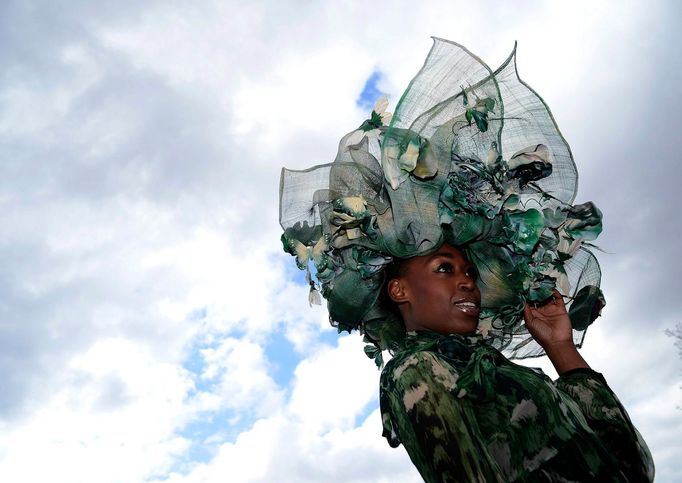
(489, 104)
(586, 307)
(369, 261)
(554, 217)
(285, 243)
(524, 230)
(304, 233)
(584, 221)
(374, 353)
(300, 251)
(374, 122)
(541, 289)
(479, 113)
(481, 119)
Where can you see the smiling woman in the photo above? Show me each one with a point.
(466, 413)
(437, 292)
(447, 237)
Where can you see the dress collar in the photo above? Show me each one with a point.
(472, 357)
(422, 339)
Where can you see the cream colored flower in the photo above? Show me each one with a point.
(398, 166)
(493, 153)
(356, 205)
(562, 281)
(306, 253)
(378, 117)
(568, 246)
(484, 326)
(538, 153)
(318, 250)
(380, 108)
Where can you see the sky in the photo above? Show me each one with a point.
(151, 327)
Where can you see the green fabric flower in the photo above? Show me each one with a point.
(523, 230)
(478, 111)
(584, 221)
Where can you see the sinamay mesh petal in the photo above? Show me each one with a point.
(471, 157)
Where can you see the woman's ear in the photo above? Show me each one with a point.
(396, 290)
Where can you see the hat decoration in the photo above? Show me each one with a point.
(472, 158)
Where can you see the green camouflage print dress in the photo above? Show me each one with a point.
(466, 413)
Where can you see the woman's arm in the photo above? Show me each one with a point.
(607, 417)
(551, 328)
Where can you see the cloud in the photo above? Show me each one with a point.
(315, 437)
(143, 284)
(114, 390)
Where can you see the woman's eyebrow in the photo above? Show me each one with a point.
(450, 256)
(442, 254)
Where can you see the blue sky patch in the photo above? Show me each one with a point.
(206, 433)
(371, 92)
(283, 358)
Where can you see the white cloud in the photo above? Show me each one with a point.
(114, 415)
(141, 147)
(243, 382)
(314, 436)
(320, 391)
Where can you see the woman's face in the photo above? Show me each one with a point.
(438, 292)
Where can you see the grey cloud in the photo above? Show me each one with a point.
(135, 160)
(628, 154)
(153, 184)
(53, 186)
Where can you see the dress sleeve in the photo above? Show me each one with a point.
(421, 410)
(608, 419)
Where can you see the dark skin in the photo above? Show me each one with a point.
(551, 328)
(438, 292)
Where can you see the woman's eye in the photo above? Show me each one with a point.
(473, 273)
(444, 268)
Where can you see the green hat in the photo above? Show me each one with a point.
(472, 158)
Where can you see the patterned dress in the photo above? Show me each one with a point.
(466, 413)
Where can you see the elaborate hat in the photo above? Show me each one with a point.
(472, 158)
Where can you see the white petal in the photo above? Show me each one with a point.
(484, 326)
(355, 204)
(314, 297)
(381, 104)
(408, 161)
(492, 155)
(564, 284)
(391, 173)
(319, 249)
(536, 153)
(568, 246)
(302, 256)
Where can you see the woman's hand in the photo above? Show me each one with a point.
(551, 328)
(549, 324)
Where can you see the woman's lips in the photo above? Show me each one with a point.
(469, 308)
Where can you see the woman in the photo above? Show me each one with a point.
(472, 158)
(465, 413)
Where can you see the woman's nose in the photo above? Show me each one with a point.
(465, 282)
